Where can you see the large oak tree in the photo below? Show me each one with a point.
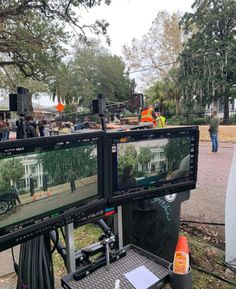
(32, 32)
(208, 61)
(92, 70)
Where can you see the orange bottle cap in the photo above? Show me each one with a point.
(182, 245)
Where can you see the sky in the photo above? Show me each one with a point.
(129, 19)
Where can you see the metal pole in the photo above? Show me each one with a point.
(23, 126)
(103, 123)
(120, 227)
(70, 248)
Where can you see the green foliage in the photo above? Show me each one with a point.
(22, 192)
(11, 77)
(32, 33)
(177, 120)
(200, 121)
(232, 119)
(84, 236)
(65, 85)
(70, 108)
(10, 171)
(127, 156)
(175, 151)
(191, 119)
(167, 92)
(91, 71)
(207, 70)
(58, 164)
(100, 72)
(145, 156)
(128, 113)
(33, 44)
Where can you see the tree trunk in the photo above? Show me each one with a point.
(177, 105)
(226, 109)
(216, 104)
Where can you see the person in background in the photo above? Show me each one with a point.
(41, 127)
(46, 128)
(4, 130)
(161, 121)
(213, 130)
(127, 179)
(116, 119)
(86, 122)
(31, 185)
(19, 131)
(15, 194)
(148, 114)
(9, 128)
(30, 127)
(112, 118)
(71, 179)
(45, 182)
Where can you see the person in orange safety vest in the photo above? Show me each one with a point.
(149, 115)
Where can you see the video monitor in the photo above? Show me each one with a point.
(48, 182)
(149, 163)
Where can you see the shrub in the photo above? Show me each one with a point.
(22, 192)
(176, 120)
(128, 113)
(191, 119)
(232, 119)
(200, 121)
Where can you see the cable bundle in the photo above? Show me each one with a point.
(35, 269)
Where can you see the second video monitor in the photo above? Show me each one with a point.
(148, 163)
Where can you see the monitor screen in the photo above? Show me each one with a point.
(153, 161)
(42, 180)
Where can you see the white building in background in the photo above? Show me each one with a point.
(219, 106)
(32, 169)
(158, 161)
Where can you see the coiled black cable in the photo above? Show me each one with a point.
(35, 269)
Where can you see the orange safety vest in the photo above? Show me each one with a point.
(146, 116)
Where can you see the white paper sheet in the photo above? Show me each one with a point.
(141, 278)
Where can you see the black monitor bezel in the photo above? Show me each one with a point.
(98, 202)
(158, 191)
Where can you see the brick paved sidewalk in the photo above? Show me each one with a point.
(207, 202)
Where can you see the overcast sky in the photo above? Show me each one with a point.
(130, 19)
(133, 18)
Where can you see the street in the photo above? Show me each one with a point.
(57, 201)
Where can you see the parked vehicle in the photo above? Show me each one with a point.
(7, 201)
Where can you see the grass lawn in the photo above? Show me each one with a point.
(83, 237)
(226, 133)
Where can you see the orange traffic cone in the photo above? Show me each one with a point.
(49, 194)
(181, 258)
(34, 197)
